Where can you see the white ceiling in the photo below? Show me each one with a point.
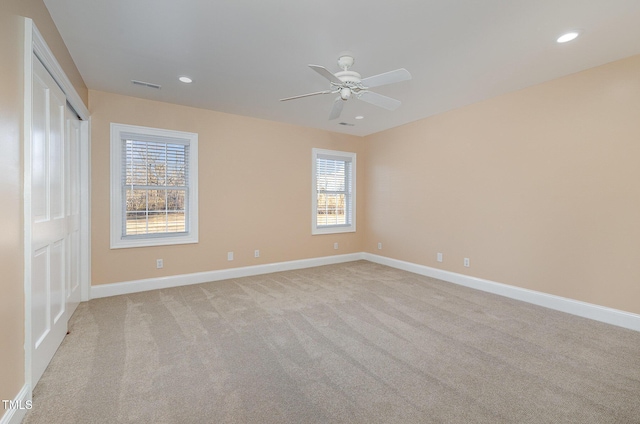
(244, 55)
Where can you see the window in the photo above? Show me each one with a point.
(154, 187)
(334, 192)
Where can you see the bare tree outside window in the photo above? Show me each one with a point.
(155, 187)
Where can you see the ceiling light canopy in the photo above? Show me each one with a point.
(564, 38)
(185, 79)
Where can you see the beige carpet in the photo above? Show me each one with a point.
(349, 343)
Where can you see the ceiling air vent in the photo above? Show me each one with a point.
(146, 84)
(347, 124)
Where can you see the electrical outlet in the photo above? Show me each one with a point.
(335, 246)
(466, 262)
(439, 257)
(159, 263)
(229, 256)
(256, 253)
(379, 246)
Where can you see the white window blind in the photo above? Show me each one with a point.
(155, 179)
(334, 191)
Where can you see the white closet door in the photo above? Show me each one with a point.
(72, 143)
(49, 220)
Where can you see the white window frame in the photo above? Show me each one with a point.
(336, 155)
(117, 219)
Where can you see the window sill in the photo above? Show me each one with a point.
(333, 230)
(153, 241)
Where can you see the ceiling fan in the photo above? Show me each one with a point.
(350, 84)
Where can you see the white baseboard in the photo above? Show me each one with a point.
(16, 415)
(574, 307)
(127, 287)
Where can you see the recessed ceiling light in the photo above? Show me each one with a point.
(186, 80)
(568, 37)
(359, 117)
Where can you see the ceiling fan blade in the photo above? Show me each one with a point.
(387, 78)
(326, 73)
(306, 95)
(336, 109)
(379, 100)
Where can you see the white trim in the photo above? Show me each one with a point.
(575, 307)
(42, 51)
(586, 310)
(15, 416)
(117, 241)
(127, 287)
(27, 121)
(85, 208)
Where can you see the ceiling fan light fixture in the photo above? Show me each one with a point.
(345, 93)
(565, 38)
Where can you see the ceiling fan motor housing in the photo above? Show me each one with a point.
(350, 83)
(348, 76)
(350, 79)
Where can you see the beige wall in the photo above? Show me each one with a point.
(254, 180)
(11, 170)
(11, 243)
(539, 188)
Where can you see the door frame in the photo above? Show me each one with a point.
(34, 44)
